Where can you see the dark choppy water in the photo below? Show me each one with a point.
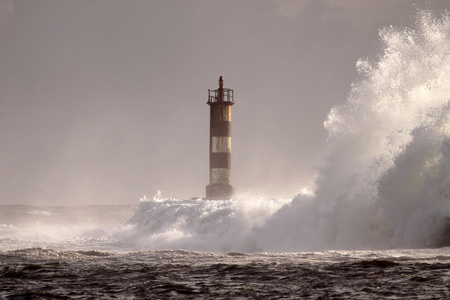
(51, 274)
(99, 252)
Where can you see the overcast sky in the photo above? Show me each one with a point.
(104, 101)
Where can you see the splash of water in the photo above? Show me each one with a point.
(385, 180)
(205, 225)
(384, 183)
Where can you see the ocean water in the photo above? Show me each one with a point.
(376, 225)
(55, 253)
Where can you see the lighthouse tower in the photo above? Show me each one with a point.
(220, 102)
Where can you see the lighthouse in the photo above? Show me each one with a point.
(220, 101)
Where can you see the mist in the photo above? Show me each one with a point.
(102, 102)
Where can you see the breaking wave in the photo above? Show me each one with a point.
(204, 225)
(384, 183)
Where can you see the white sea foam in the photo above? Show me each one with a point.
(39, 213)
(80, 227)
(385, 180)
(207, 225)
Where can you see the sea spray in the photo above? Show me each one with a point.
(61, 227)
(384, 182)
(204, 225)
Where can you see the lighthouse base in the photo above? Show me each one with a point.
(219, 191)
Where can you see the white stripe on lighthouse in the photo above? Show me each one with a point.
(220, 175)
(225, 111)
(220, 144)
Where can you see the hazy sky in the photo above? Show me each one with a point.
(104, 101)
